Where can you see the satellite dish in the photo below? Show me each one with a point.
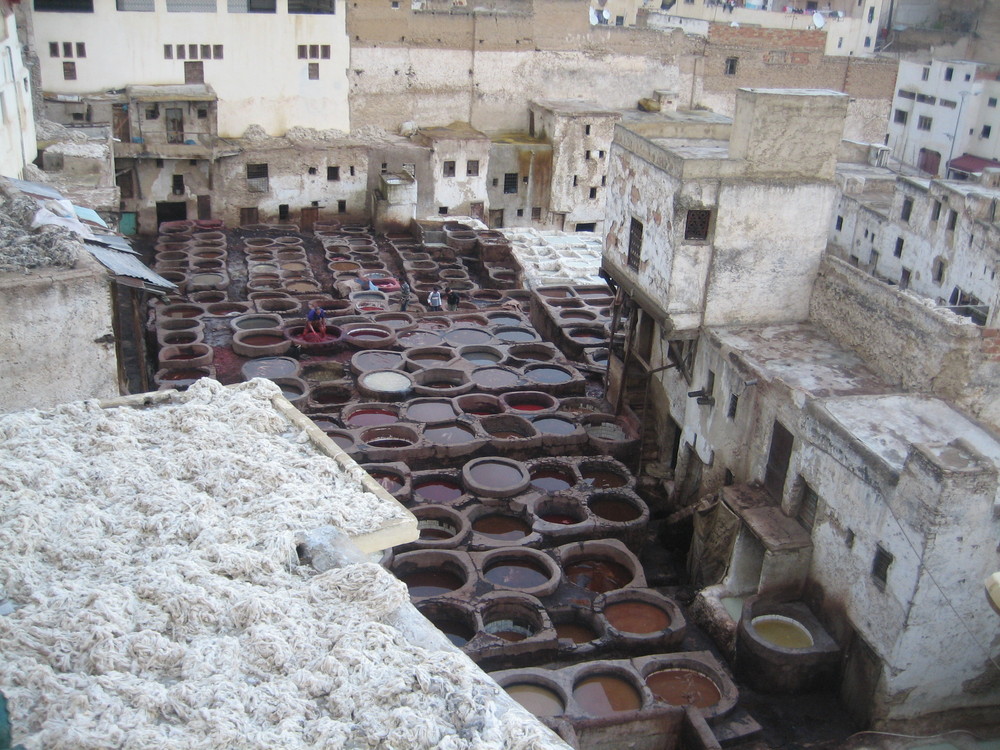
(818, 21)
(606, 14)
(593, 17)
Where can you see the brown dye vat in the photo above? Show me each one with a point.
(504, 320)
(480, 406)
(430, 411)
(494, 377)
(684, 687)
(560, 518)
(449, 434)
(554, 426)
(438, 490)
(269, 367)
(636, 617)
(290, 390)
(516, 574)
(247, 324)
(602, 479)
(429, 359)
(263, 339)
(536, 699)
(371, 417)
(506, 434)
(596, 575)
(341, 440)
(391, 482)
(495, 474)
(499, 526)
(431, 582)
(183, 374)
(434, 533)
(550, 375)
(606, 694)
(576, 632)
(612, 509)
(552, 480)
(455, 632)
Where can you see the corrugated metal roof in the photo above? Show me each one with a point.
(125, 264)
(114, 242)
(36, 189)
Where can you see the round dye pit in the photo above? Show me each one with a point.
(248, 322)
(328, 395)
(432, 582)
(466, 336)
(684, 687)
(291, 388)
(430, 410)
(548, 374)
(437, 524)
(343, 440)
(390, 481)
(514, 335)
(375, 359)
(418, 337)
(528, 402)
(605, 694)
(507, 427)
(614, 508)
(554, 426)
(636, 617)
(428, 356)
(479, 406)
(597, 574)
(501, 527)
(371, 417)
(270, 367)
(388, 384)
(601, 478)
(389, 436)
(564, 511)
(480, 355)
(453, 622)
(502, 319)
(494, 378)
(450, 433)
(552, 479)
(576, 631)
(538, 700)
(437, 490)
(508, 628)
(495, 477)
(516, 573)
(587, 336)
(781, 631)
(262, 339)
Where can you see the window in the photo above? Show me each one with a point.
(586, 155)
(206, 52)
(536, 213)
(840, 223)
(731, 65)
(734, 402)
(332, 174)
(576, 180)
(472, 168)
(949, 73)
(925, 74)
(303, 52)
(53, 49)
(202, 114)
(449, 169)
(341, 207)
(619, 20)
(253, 6)
(159, 163)
(899, 117)
(153, 113)
(985, 133)
(904, 279)
(81, 49)
(311, 170)
(952, 220)
(924, 99)
(907, 209)
(168, 52)
(924, 122)
(948, 103)
(991, 102)
(135, 5)
(194, 72)
(65, 6)
(282, 212)
(191, 6)
(257, 178)
(313, 51)
(937, 270)
(898, 251)
(69, 71)
(178, 184)
(520, 212)
(351, 171)
(327, 7)
(604, 180)
(180, 52)
(936, 211)
(443, 210)
(67, 49)
(216, 51)
(510, 182)
(868, 41)
(808, 507)
(593, 193)
(871, 14)
(880, 567)
(634, 244)
(873, 260)
(696, 226)
(904, 94)
(313, 71)
(586, 129)
(600, 154)
(849, 538)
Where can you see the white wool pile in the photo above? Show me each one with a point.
(153, 597)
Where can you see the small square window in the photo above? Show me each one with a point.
(510, 183)
(593, 193)
(496, 181)
(324, 51)
(448, 169)
(313, 71)
(586, 129)
(312, 170)
(849, 538)
(81, 49)
(907, 209)
(178, 184)
(868, 41)
(731, 65)
(53, 49)
(525, 179)
(898, 251)
(604, 180)
(443, 210)
(899, 117)
(949, 73)
(634, 244)
(159, 163)
(313, 51)
(985, 133)
(314, 204)
(168, 52)
(216, 51)
(880, 566)
(67, 49)
(472, 168)
(840, 223)
(536, 213)
(192, 52)
(303, 52)
(341, 207)
(69, 71)
(697, 224)
(586, 155)
(333, 174)
(520, 212)
(991, 102)
(152, 113)
(180, 48)
(202, 114)
(924, 122)
(206, 52)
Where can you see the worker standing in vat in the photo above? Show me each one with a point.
(453, 298)
(316, 319)
(434, 299)
(404, 296)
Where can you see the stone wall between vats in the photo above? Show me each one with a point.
(53, 345)
(907, 340)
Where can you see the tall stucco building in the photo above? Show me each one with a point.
(17, 122)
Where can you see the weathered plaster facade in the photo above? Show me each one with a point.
(17, 122)
(459, 156)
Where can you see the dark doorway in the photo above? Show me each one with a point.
(171, 211)
(120, 124)
(778, 459)
(309, 216)
(587, 226)
(496, 218)
(249, 216)
(862, 670)
(175, 125)
(929, 161)
(476, 210)
(204, 206)
(194, 72)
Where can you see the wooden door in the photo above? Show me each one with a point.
(120, 124)
(308, 217)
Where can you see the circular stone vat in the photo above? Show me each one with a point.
(180, 338)
(507, 427)
(455, 620)
(292, 388)
(432, 577)
(422, 357)
(375, 359)
(449, 433)
(418, 338)
(602, 475)
(303, 286)
(390, 385)
(390, 436)
(255, 321)
(438, 524)
(397, 321)
(308, 341)
(186, 356)
(528, 402)
(480, 355)
(437, 489)
(479, 405)
(532, 352)
(536, 699)
(279, 305)
(207, 280)
(495, 477)
(783, 632)
(547, 374)
(370, 336)
(441, 381)
(467, 336)
(602, 694)
(229, 308)
(330, 394)
(555, 292)
(577, 316)
(635, 616)
(369, 415)
(553, 425)
(596, 572)
(575, 625)
(588, 335)
(179, 324)
(617, 507)
(521, 569)
(322, 372)
(180, 311)
(430, 410)
(260, 343)
(550, 477)
(511, 620)
(504, 319)
(436, 323)
(270, 367)
(501, 527)
(562, 511)
(515, 334)
(680, 686)
(494, 378)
